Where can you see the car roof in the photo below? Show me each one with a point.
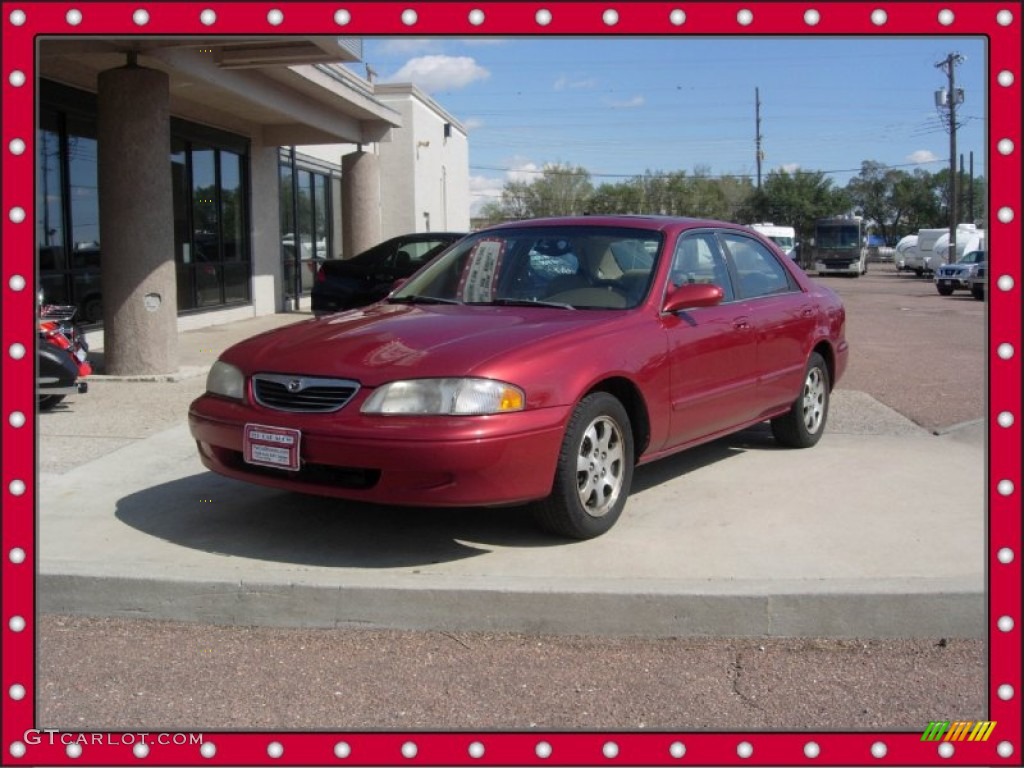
(655, 222)
(425, 235)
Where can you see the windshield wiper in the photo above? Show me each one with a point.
(529, 303)
(421, 300)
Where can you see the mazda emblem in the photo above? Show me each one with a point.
(294, 385)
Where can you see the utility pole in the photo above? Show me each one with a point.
(970, 189)
(950, 99)
(757, 133)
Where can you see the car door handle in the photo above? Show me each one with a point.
(807, 312)
(741, 324)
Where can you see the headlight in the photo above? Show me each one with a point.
(225, 379)
(446, 397)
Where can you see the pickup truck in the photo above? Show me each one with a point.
(952, 277)
(978, 282)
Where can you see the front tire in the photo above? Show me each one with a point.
(49, 402)
(594, 472)
(944, 290)
(978, 292)
(804, 424)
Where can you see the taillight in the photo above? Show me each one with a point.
(321, 276)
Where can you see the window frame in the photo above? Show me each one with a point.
(792, 286)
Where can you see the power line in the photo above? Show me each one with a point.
(667, 174)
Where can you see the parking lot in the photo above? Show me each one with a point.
(736, 546)
(919, 353)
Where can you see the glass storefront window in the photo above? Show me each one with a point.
(305, 224)
(49, 209)
(83, 193)
(205, 225)
(232, 205)
(210, 199)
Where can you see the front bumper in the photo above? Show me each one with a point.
(413, 461)
(841, 268)
(960, 280)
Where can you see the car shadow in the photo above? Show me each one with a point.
(758, 437)
(218, 515)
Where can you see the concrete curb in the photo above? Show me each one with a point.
(928, 608)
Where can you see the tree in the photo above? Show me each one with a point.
(561, 190)
(795, 200)
(896, 202)
(916, 204)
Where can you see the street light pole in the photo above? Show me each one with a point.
(950, 99)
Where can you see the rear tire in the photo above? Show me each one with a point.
(804, 424)
(594, 472)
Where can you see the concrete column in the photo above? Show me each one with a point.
(360, 202)
(267, 291)
(140, 302)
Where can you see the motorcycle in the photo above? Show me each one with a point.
(62, 353)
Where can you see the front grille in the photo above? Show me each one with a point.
(303, 394)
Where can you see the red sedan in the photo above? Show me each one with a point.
(537, 361)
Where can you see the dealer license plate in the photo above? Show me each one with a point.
(271, 446)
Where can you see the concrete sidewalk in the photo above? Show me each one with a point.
(854, 538)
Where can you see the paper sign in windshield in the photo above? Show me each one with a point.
(480, 274)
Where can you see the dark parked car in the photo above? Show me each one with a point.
(536, 361)
(368, 277)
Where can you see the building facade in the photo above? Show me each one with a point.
(177, 187)
(424, 166)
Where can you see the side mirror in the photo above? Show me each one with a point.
(692, 296)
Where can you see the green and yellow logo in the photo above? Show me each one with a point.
(958, 730)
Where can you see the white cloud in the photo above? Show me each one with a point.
(790, 168)
(487, 189)
(472, 123)
(563, 83)
(440, 73)
(483, 190)
(521, 169)
(922, 156)
(636, 101)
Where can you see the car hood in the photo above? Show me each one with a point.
(383, 342)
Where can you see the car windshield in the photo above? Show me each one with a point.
(838, 236)
(569, 267)
(974, 257)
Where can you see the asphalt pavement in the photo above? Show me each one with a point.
(737, 538)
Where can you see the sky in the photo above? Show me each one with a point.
(619, 107)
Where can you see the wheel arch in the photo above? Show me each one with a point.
(824, 349)
(627, 393)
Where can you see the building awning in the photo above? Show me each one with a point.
(288, 90)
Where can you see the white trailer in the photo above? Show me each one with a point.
(905, 248)
(925, 259)
(784, 237)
